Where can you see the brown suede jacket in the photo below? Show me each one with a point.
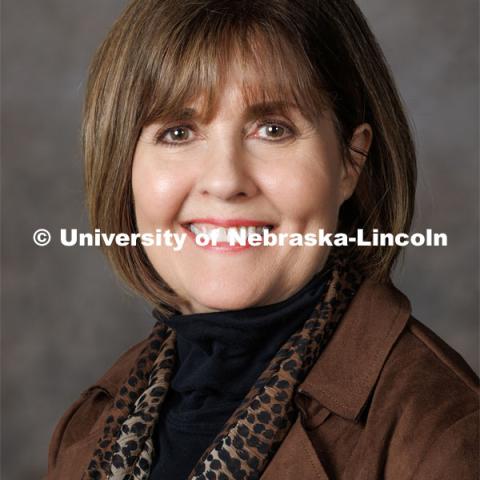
(387, 399)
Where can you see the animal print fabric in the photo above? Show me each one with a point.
(258, 426)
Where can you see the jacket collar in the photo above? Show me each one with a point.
(345, 373)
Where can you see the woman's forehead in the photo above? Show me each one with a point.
(245, 102)
(251, 97)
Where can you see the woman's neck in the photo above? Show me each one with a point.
(220, 354)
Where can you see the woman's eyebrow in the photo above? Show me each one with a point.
(174, 114)
(252, 111)
(269, 108)
(185, 114)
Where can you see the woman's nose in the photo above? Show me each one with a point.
(226, 174)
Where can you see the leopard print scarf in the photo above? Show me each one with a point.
(258, 426)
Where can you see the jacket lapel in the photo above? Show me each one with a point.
(295, 459)
(346, 372)
(344, 375)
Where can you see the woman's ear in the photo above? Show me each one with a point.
(357, 156)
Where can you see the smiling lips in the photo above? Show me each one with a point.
(223, 229)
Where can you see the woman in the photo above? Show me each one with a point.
(222, 117)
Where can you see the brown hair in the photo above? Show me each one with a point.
(317, 53)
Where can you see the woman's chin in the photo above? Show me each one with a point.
(227, 298)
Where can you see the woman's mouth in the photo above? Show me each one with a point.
(225, 235)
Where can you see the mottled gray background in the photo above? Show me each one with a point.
(65, 318)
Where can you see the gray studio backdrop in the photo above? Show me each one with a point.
(65, 317)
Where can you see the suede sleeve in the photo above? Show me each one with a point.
(454, 454)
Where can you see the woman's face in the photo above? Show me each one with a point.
(248, 166)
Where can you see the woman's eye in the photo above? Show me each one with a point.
(175, 135)
(274, 131)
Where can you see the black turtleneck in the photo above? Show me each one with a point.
(219, 357)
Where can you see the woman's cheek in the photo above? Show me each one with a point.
(157, 193)
(306, 194)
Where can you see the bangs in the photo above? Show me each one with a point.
(203, 56)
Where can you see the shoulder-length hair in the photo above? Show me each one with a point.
(319, 54)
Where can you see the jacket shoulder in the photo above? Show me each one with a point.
(387, 398)
(423, 375)
(82, 420)
(433, 399)
(424, 365)
(454, 367)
